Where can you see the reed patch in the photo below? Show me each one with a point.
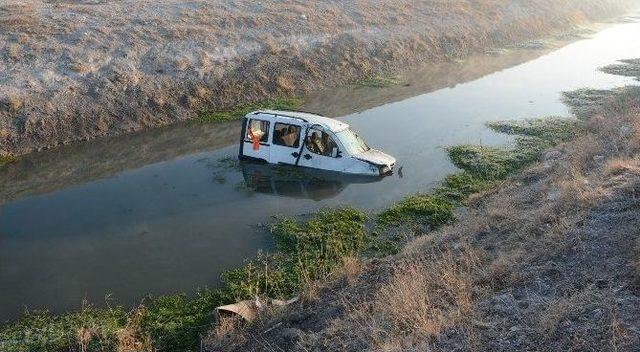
(283, 103)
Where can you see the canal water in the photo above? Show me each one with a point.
(168, 210)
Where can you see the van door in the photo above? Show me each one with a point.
(318, 151)
(256, 143)
(285, 142)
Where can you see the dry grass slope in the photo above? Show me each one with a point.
(75, 69)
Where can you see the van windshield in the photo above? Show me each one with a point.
(352, 142)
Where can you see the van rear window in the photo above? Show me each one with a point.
(258, 129)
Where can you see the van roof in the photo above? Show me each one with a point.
(327, 122)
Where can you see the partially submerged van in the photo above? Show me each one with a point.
(309, 140)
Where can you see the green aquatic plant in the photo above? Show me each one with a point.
(169, 323)
(305, 251)
(290, 172)
(378, 81)
(420, 208)
(229, 162)
(482, 166)
(245, 188)
(42, 331)
(381, 247)
(175, 322)
(284, 103)
(456, 188)
(7, 158)
(486, 163)
(585, 103)
(628, 68)
(551, 129)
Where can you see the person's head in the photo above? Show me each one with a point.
(315, 136)
(291, 130)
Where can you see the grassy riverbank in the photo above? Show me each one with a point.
(123, 66)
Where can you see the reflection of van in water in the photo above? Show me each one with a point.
(287, 181)
(308, 140)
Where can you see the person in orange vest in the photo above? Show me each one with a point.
(255, 139)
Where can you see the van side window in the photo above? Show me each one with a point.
(258, 129)
(286, 135)
(319, 142)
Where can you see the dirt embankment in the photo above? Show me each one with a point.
(548, 260)
(76, 69)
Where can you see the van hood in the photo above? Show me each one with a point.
(376, 157)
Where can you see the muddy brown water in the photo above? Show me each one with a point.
(168, 210)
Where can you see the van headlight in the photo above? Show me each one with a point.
(384, 170)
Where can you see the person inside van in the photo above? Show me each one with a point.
(328, 144)
(277, 137)
(315, 144)
(291, 137)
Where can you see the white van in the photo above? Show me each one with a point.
(309, 140)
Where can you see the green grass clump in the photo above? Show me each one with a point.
(378, 82)
(421, 208)
(171, 323)
(382, 247)
(553, 130)
(229, 162)
(238, 112)
(305, 251)
(456, 188)
(585, 103)
(488, 163)
(482, 165)
(7, 158)
(41, 331)
(175, 322)
(292, 172)
(628, 68)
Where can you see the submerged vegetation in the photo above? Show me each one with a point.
(456, 188)
(285, 103)
(552, 129)
(6, 158)
(172, 323)
(584, 103)
(482, 166)
(420, 208)
(378, 81)
(305, 251)
(629, 68)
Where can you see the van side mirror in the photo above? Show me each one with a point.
(335, 153)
